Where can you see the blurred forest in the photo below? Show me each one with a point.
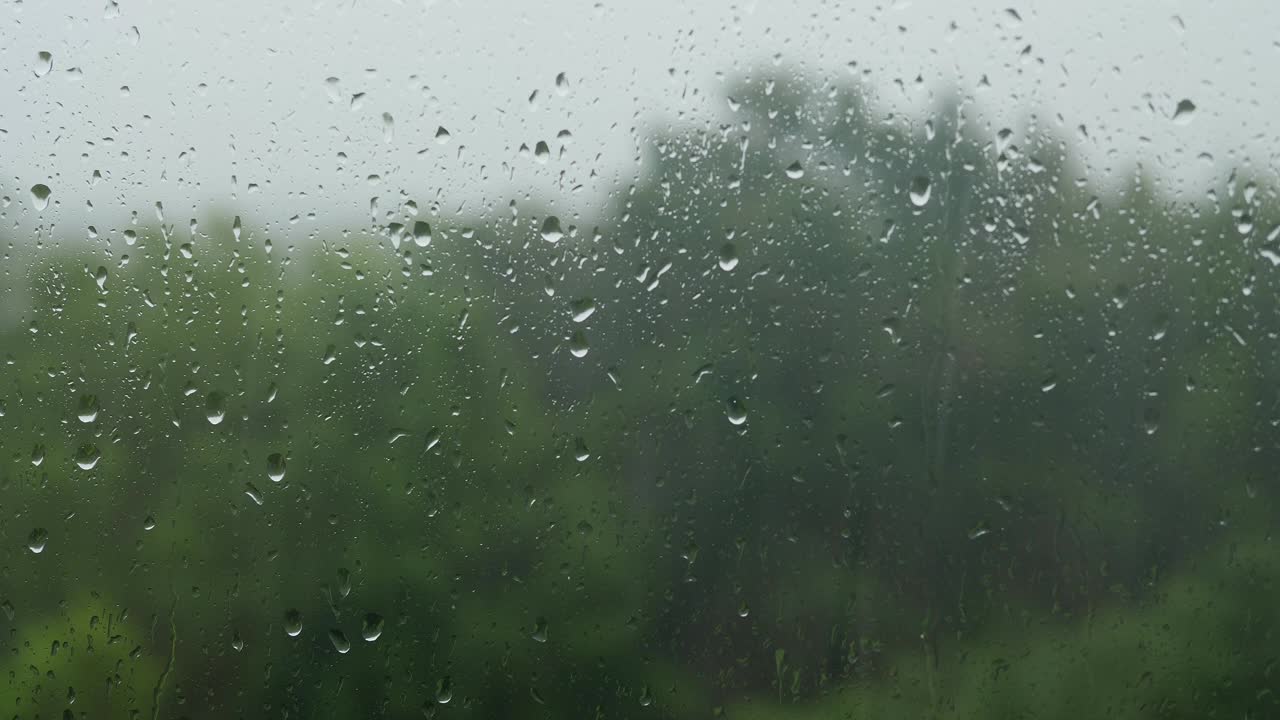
(828, 414)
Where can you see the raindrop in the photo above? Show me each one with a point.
(580, 451)
(40, 196)
(735, 411)
(371, 628)
(583, 309)
(293, 622)
(215, 407)
(921, 188)
(795, 170)
(388, 128)
(551, 231)
(743, 610)
(442, 135)
(87, 456)
(1185, 112)
(37, 540)
(88, 411)
(562, 84)
(275, 467)
(421, 234)
(37, 454)
(44, 63)
(444, 690)
(578, 346)
(540, 630)
(344, 582)
(149, 523)
(340, 641)
(100, 277)
(728, 257)
(253, 492)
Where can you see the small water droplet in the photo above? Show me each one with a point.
(580, 451)
(37, 454)
(540, 630)
(253, 492)
(562, 84)
(293, 622)
(37, 540)
(743, 609)
(40, 196)
(100, 277)
(149, 523)
(275, 467)
(442, 135)
(795, 170)
(344, 582)
(920, 191)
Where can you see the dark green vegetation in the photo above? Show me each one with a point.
(1008, 449)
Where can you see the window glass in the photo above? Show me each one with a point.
(788, 360)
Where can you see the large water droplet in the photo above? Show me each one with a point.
(735, 411)
(1185, 112)
(728, 257)
(578, 346)
(215, 407)
(44, 63)
(795, 170)
(371, 628)
(88, 410)
(275, 467)
(583, 309)
(551, 231)
(293, 623)
(87, 456)
(421, 234)
(40, 196)
(444, 691)
(37, 540)
(340, 641)
(920, 191)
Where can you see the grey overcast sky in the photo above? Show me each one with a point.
(169, 100)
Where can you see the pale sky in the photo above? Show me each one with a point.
(239, 88)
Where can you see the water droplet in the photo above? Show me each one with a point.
(215, 407)
(330, 354)
(728, 257)
(253, 492)
(235, 228)
(388, 128)
(646, 696)
(442, 135)
(795, 170)
(444, 690)
(100, 277)
(580, 451)
(562, 84)
(344, 582)
(735, 411)
(40, 196)
(583, 309)
(371, 628)
(578, 346)
(920, 191)
(340, 641)
(88, 410)
(37, 454)
(1049, 383)
(275, 467)
(540, 630)
(1185, 112)
(87, 456)
(293, 622)
(237, 643)
(149, 523)
(37, 540)
(44, 63)
(421, 234)
(743, 610)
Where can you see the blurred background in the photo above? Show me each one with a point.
(773, 360)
